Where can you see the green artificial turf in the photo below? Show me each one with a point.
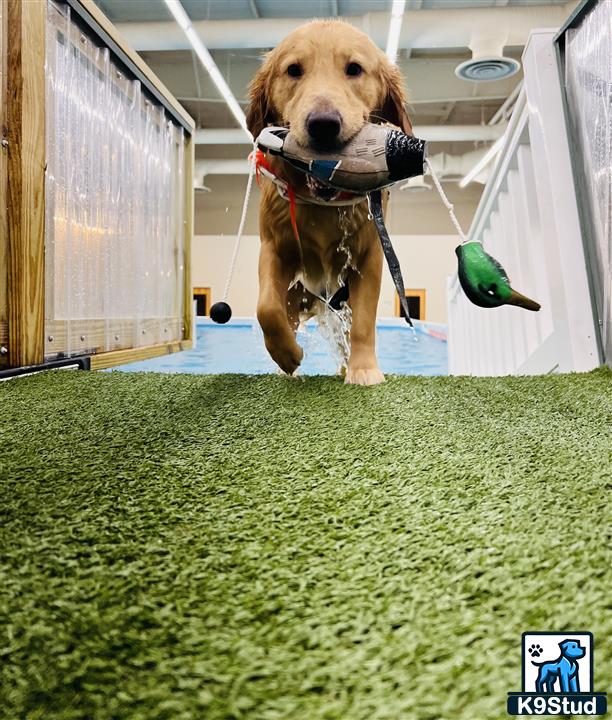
(215, 547)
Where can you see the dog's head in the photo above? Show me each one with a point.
(572, 649)
(324, 81)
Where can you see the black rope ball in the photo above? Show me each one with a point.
(220, 313)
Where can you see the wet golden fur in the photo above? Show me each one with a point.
(323, 49)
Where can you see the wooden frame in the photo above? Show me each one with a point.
(206, 291)
(3, 191)
(421, 293)
(23, 333)
(26, 180)
(120, 357)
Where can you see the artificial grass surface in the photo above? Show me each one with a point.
(259, 547)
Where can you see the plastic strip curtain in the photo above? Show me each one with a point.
(114, 203)
(589, 91)
(3, 191)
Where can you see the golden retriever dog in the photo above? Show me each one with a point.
(324, 81)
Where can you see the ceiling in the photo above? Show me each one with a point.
(447, 100)
(155, 10)
(434, 41)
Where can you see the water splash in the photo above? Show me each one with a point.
(334, 325)
(345, 225)
(335, 328)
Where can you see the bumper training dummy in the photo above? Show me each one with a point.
(376, 157)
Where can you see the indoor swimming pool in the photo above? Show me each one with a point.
(238, 347)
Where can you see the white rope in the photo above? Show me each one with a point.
(245, 206)
(449, 206)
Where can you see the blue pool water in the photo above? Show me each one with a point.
(238, 347)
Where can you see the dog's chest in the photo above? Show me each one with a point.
(331, 245)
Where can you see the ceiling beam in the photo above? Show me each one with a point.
(421, 28)
(444, 164)
(240, 102)
(254, 9)
(411, 102)
(426, 80)
(506, 107)
(196, 74)
(432, 133)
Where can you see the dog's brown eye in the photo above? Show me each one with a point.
(353, 69)
(294, 70)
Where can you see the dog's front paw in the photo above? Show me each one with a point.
(364, 376)
(288, 360)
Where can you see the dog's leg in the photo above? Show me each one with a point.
(272, 310)
(365, 288)
(539, 686)
(564, 681)
(294, 303)
(299, 300)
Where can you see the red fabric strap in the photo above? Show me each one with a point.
(260, 161)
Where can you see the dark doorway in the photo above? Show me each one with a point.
(202, 297)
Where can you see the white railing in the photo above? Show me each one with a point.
(528, 220)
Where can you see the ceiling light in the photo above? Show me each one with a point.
(483, 162)
(181, 17)
(395, 27)
(179, 14)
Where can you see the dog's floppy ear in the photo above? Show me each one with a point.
(259, 113)
(393, 106)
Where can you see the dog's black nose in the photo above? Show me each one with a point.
(324, 128)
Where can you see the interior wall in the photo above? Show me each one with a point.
(410, 213)
(427, 260)
(417, 221)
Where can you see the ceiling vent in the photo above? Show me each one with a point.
(416, 184)
(486, 69)
(488, 62)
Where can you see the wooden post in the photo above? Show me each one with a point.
(25, 115)
(3, 201)
(188, 292)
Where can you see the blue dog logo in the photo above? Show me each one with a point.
(563, 686)
(564, 669)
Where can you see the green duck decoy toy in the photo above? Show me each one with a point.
(485, 281)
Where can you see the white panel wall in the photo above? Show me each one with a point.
(427, 260)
